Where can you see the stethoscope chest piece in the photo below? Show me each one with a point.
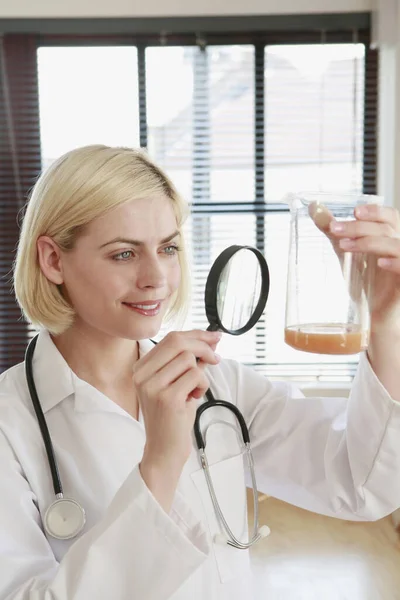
(64, 519)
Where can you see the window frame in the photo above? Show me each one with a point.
(202, 32)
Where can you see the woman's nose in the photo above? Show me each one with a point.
(152, 274)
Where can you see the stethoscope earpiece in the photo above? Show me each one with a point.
(264, 531)
(220, 539)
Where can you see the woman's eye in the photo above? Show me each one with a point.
(171, 250)
(125, 255)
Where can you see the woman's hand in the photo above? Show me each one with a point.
(375, 234)
(374, 237)
(168, 381)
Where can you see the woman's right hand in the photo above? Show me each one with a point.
(168, 380)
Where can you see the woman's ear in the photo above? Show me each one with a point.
(50, 259)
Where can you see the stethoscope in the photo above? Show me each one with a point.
(229, 308)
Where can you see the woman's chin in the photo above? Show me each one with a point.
(145, 330)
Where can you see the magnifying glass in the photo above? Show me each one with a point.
(236, 290)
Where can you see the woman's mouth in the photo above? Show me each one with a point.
(147, 309)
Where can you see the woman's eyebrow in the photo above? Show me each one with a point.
(120, 240)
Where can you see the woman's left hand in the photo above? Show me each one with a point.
(375, 232)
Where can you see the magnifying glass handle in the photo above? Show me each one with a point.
(213, 327)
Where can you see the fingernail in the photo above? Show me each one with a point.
(361, 211)
(337, 226)
(384, 262)
(217, 356)
(217, 334)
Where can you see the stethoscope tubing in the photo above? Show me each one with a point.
(211, 403)
(55, 474)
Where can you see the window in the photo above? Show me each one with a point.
(86, 97)
(237, 121)
(310, 135)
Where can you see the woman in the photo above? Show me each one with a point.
(100, 264)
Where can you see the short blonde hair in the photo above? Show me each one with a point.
(78, 187)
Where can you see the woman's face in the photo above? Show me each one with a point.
(124, 268)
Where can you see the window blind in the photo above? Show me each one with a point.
(237, 120)
(19, 166)
(254, 123)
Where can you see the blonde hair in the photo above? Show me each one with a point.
(78, 187)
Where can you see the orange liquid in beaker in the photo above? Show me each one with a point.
(326, 339)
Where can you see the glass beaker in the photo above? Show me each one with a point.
(327, 289)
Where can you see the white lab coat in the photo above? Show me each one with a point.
(337, 457)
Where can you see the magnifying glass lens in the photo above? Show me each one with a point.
(239, 289)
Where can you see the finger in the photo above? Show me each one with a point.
(171, 372)
(199, 392)
(390, 264)
(357, 229)
(321, 216)
(175, 340)
(160, 356)
(214, 345)
(323, 219)
(381, 214)
(190, 383)
(368, 212)
(213, 348)
(383, 246)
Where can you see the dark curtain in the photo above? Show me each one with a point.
(20, 163)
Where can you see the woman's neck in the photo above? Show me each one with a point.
(103, 361)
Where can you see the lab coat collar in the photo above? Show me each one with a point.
(55, 381)
(52, 374)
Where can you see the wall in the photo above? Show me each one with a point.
(161, 8)
(387, 38)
